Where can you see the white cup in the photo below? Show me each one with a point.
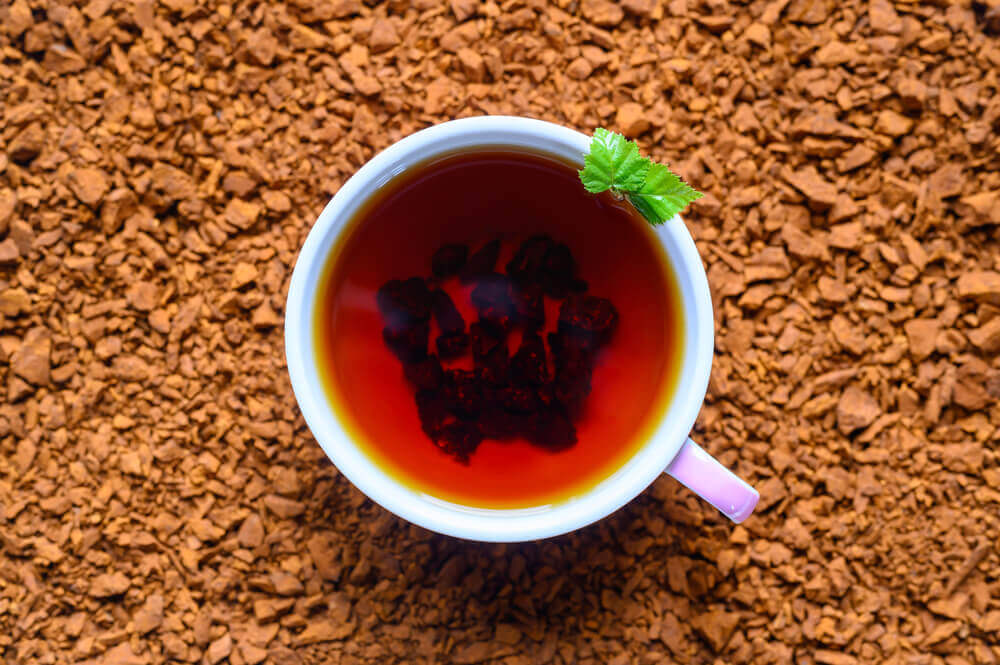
(667, 450)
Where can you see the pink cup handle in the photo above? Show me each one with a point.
(705, 476)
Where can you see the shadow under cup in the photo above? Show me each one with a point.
(336, 429)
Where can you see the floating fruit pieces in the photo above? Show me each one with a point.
(503, 396)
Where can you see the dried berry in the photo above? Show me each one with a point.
(484, 338)
(587, 318)
(494, 300)
(448, 318)
(404, 302)
(425, 374)
(494, 367)
(528, 366)
(408, 343)
(481, 262)
(558, 271)
(526, 265)
(459, 439)
(496, 423)
(519, 399)
(462, 391)
(433, 412)
(449, 260)
(551, 429)
(452, 345)
(569, 350)
(529, 306)
(574, 362)
(571, 387)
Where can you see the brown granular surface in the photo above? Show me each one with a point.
(161, 499)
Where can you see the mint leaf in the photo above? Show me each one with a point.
(662, 195)
(614, 163)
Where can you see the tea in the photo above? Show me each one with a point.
(458, 223)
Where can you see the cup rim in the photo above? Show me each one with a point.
(490, 525)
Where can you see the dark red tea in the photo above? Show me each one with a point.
(472, 199)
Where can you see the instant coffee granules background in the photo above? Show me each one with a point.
(161, 500)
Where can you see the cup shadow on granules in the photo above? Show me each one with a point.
(565, 585)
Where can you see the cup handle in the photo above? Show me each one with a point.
(701, 473)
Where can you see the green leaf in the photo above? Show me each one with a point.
(662, 195)
(613, 163)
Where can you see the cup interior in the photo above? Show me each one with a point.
(473, 523)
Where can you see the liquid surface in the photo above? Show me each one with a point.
(472, 198)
